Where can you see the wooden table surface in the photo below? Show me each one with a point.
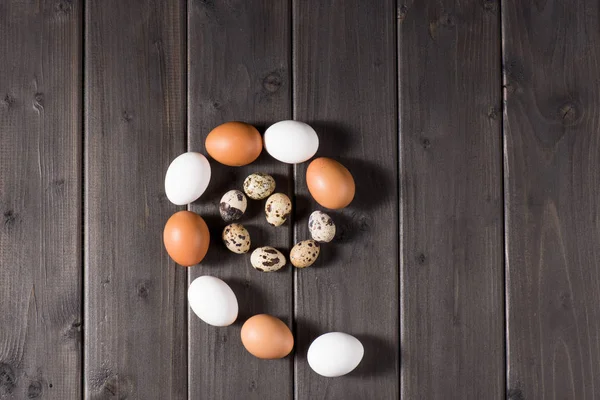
(467, 264)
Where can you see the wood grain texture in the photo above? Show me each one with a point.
(345, 87)
(452, 310)
(40, 199)
(135, 307)
(552, 175)
(239, 69)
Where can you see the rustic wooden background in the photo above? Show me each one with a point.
(467, 264)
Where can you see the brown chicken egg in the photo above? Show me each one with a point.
(234, 143)
(186, 238)
(267, 337)
(330, 183)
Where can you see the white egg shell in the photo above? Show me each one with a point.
(291, 142)
(213, 301)
(335, 354)
(187, 178)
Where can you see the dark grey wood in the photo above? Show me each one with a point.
(552, 164)
(135, 304)
(452, 309)
(40, 199)
(239, 69)
(345, 86)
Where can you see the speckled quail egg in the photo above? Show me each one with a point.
(321, 227)
(305, 253)
(267, 259)
(236, 238)
(233, 205)
(259, 186)
(277, 209)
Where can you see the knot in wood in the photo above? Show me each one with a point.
(272, 82)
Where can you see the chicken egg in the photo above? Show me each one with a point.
(267, 337)
(234, 143)
(291, 142)
(187, 178)
(330, 183)
(186, 238)
(335, 354)
(213, 301)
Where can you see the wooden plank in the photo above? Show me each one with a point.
(452, 311)
(552, 164)
(239, 69)
(345, 86)
(40, 200)
(135, 315)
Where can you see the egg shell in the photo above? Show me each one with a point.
(330, 183)
(232, 205)
(267, 259)
(187, 178)
(335, 354)
(321, 227)
(234, 143)
(267, 337)
(213, 301)
(305, 253)
(186, 238)
(277, 208)
(259, 186)
(236, 238)
(291, 142)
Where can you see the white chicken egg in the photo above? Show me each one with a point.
(187, 178)
(335, 354)
(291, 142)
(213, 301)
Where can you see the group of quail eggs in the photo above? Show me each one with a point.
(278, 207)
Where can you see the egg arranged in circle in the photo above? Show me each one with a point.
(187, 178)
(277, 209)
(234, 143)
(267, 337)
(330, 183)
(291, 142)
(213, 301)
(236, 238)
(232, 205)
(186, 238)
(335, 354)
(259, 186)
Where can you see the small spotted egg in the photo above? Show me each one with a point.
(277, 209)
(236, 238)
(233, 205)
(267, 259)
(321, 227)
(259, 186)
(305, 253)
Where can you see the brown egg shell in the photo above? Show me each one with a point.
(267, 337)
(330, 183)
(186, 238)
(234, 143)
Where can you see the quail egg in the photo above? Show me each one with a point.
(233, 205)
(305, 253)
(321, 227)
(259, 186)
(267, 259)
(277, 209)
(236, 238)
